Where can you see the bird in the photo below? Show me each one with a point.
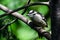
(37, 18)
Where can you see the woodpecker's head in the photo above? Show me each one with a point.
(32, 13)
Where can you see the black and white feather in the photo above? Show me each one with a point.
(38, 18)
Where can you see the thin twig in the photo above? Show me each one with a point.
(32, 4)
(26, 7)
(8, 24)
(3, 15)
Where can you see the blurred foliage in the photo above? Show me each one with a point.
(19, 28)
(40, 0)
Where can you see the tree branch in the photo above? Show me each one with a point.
(27, 21)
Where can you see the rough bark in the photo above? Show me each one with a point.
(55, 19)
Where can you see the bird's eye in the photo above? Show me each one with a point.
(44, 19)
(33, 14)
(30, 13)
